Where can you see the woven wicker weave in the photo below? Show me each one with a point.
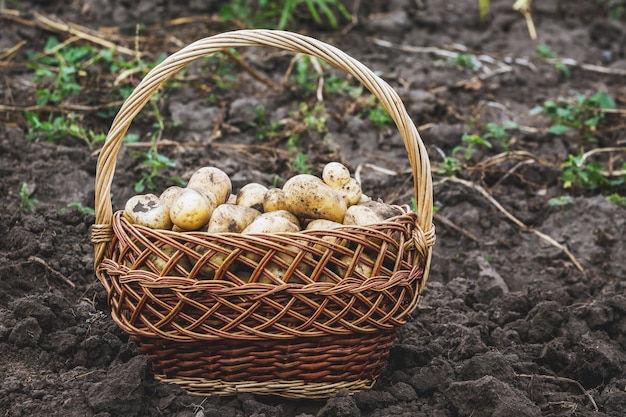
(212, 312)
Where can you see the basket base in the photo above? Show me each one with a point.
(314, 367)
(293, 389)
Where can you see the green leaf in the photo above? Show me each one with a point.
(558, 129)
(139, 187)
(603, 100)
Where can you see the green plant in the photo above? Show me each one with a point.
(578, 172)
(561, 201)
(499, 132)
(337, 84)
(470, 143)
(58, 69)
(78, 206)
(27, 203)
(314, 118)
(278, 14)
(152, 161)
(580, 113)
(459, 60)
(379, 115)
(464, 61)
(57, 127)
(615, 198)
(263, 129)
(450, 166)
(300, 164)
(546, 53)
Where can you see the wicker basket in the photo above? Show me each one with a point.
(316, 327)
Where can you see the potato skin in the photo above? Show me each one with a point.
(252, 195)
(274, 200)
(360, 215)
(169, 194)
(371, 212)
(322, 224)
(362, 267)
(160, 263)
(192, 209)
(214, 180)
(272, 222)
(308, 196)
(231, 218)
(335, 174)
(350, 192)
(148, 210)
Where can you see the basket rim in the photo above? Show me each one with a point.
(102, 233)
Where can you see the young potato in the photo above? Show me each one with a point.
(309, 197)
(351, 192)
(161, 264)
(169, 194)
(322, 224)
(274, 269)
(192, 209)
(335, 174)
(371, 212)
(252, 195)
(362, 267)
(231, 218)
(148, 210)
(274, 200)
(272, 222)
(287, 215)
(364, 199)
(214, 180)
(214, 263)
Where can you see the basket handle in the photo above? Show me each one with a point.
(102, 231)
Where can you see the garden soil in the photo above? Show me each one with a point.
(524, 313)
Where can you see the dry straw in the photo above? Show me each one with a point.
(288, 314)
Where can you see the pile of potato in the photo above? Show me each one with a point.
(304, 202)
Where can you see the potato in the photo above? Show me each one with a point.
(322, 224)
(335, 174)
(308, 196)
(169, 194)
(161, 264)
(350, 192)
(287, 215)
(364, 199)
(232, 199)
(252, 195)
(371, 212)
(274, 200)
(272, 269)
(231, 218)
(148, 210)
(207, 271)
(214, 180)
(363, 266)
(192, 209)
(272, 222)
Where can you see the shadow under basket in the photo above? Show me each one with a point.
(297, 315)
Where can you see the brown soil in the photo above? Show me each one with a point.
(508, 325)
